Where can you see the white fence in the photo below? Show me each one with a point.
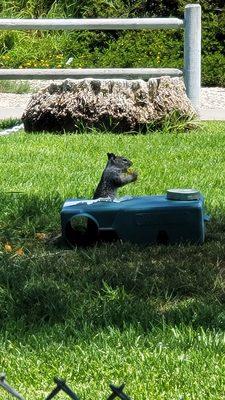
(192, 48)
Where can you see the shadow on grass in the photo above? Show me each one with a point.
(170, 123)
(110, 284)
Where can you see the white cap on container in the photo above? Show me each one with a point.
(183, 194)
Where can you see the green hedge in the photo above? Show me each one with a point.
(112, 48)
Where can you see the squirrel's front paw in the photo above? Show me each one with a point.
(134, 176)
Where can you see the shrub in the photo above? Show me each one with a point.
(112, 48)
(213, 71)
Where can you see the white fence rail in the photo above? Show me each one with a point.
(192, 48)
(100, 73)
(91, 24)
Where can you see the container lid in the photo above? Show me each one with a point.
(183, 194)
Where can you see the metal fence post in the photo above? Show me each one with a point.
(192, 52)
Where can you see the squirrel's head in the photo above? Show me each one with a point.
(119, 161)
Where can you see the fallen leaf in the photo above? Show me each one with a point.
(20, 252)
(40, 235)
(8, 248)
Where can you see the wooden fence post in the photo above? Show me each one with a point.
(192, 52)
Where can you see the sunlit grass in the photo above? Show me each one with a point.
(160, 364)
(151, 317)
(18, 87)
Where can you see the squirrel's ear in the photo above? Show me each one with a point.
(111, 156)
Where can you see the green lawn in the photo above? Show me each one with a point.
(150, 317)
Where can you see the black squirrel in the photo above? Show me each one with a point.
(115, 175)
